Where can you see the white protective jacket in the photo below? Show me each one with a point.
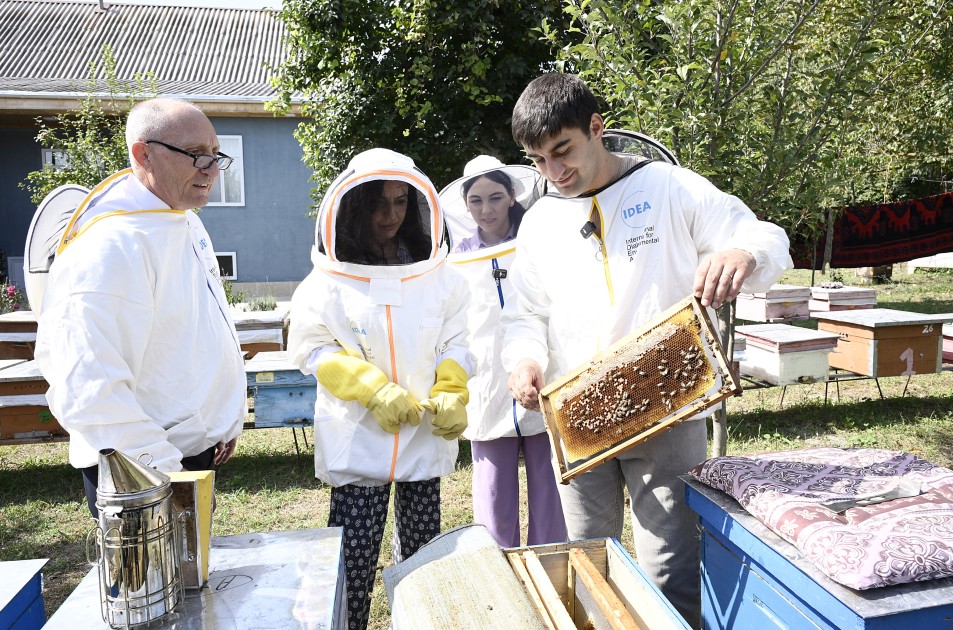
(135, 337)
(492, 412)
(578, 295)
(404, 319)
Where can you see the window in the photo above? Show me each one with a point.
(229, 188)
(54, 159)
(227, 264)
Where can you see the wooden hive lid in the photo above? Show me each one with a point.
(881, 317)
(786, 338)
(834, 295)
(780, 292)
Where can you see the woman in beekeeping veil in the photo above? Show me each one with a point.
(484, 209)
(381, 323)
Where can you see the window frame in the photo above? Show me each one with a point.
(239, 163)
(234, 257)
(48, 159)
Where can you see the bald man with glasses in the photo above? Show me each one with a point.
(135, 337)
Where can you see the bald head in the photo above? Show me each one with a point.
(164, 137)
(151, 120)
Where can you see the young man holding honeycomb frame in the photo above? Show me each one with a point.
(624, 239)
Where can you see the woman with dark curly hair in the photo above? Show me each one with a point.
(379, 224)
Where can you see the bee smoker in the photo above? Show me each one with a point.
(140, 581)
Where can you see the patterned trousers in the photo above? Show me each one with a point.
(362, 512)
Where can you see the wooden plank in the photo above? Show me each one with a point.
(547, 592)
(638, 593)
(18, 322)
(611, 607)
(516, 561)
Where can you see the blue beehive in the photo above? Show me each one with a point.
(751, 578)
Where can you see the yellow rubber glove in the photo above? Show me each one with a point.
(448, 400)
(350, 378)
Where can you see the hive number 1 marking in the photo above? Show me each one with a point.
(908, 357)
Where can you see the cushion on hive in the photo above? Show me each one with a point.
(890, 514)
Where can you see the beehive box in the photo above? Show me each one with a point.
(826, 299)
(781, 354)
(752, 578)
(20, 377)
(664, 372)
(21, 594)
(780, 302)
(17, 335)
(591, 584)
(262, 331)
(884, 342)
(283, 396)
(462, 579)
(28, 419)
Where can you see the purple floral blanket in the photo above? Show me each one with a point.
(865, 517)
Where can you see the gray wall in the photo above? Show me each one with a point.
(19, 155)
(271, 234)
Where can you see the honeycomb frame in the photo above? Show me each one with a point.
(664, 372)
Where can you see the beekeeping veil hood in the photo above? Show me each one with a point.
(337, 225)
(528, 186)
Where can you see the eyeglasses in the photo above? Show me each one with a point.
(199, 160)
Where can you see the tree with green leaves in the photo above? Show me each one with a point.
(89, 144)
(793, 105)
(434, 80)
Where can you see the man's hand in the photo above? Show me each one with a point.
(525, 382)
(719, 278)
(224, 450)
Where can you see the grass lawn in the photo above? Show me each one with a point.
(267, 486)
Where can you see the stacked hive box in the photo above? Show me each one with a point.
(262, 331)
(781, 354)
(841, 298)
(24, 414)
(780, 302)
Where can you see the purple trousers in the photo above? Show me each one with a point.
(496, 490)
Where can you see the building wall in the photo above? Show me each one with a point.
(19, 155)
(271, 233)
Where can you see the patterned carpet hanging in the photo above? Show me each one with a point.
(883, 234)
